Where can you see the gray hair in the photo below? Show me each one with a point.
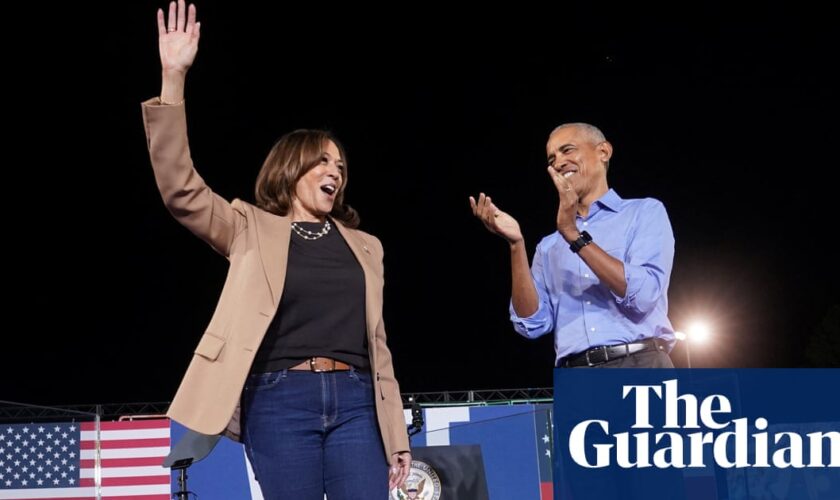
(592, 132)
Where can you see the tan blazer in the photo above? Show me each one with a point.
(257, 245)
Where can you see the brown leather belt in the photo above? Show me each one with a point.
(318, 365)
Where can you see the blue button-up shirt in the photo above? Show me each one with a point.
(580, 310)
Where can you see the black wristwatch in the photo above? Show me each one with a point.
(583, 240)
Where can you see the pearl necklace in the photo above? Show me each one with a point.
(311, 235)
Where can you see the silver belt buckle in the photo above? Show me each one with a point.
(603, 349)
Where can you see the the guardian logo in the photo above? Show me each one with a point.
(707, 427)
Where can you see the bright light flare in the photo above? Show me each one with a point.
(699, 332)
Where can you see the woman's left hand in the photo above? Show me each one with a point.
(400, 466)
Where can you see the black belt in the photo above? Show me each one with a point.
(602, 354)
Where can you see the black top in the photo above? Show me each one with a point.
(322, 310)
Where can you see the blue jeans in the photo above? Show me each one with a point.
(308, 433)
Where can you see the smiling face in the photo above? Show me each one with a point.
(581, 158)
(315, 192)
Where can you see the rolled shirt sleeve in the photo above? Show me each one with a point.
(650, 257)
(542, 321)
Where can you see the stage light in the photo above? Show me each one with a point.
(698, 332)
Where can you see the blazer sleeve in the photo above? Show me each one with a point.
(184, 192)
(387, 381)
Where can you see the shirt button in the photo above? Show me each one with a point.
(588, 302)
(586, 275)
(593, 328)
(585, 223)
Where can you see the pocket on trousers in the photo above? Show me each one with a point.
(361, 378)
(262, 381)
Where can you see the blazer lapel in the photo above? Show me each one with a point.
(373, 300)
(273, 234)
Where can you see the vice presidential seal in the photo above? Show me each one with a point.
(422, 483)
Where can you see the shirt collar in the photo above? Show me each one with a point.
(610, 200)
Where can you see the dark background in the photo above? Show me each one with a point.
(728, 118)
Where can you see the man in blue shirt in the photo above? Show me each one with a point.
(600, 282)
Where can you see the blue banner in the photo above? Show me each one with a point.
(697, 434)
(508, 445)
(514, 441)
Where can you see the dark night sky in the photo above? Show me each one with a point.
(729, 120)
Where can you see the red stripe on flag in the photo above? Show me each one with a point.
(126, 481)
(137, 497)
(125, 443)
(546, 491)
(122, 462)
(134, 481)
(84, 498)
(162, 423)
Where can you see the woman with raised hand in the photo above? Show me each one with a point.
(294, 361)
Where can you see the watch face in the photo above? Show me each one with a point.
(581, 242)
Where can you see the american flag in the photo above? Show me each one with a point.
(543, 429)
(57, 461)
